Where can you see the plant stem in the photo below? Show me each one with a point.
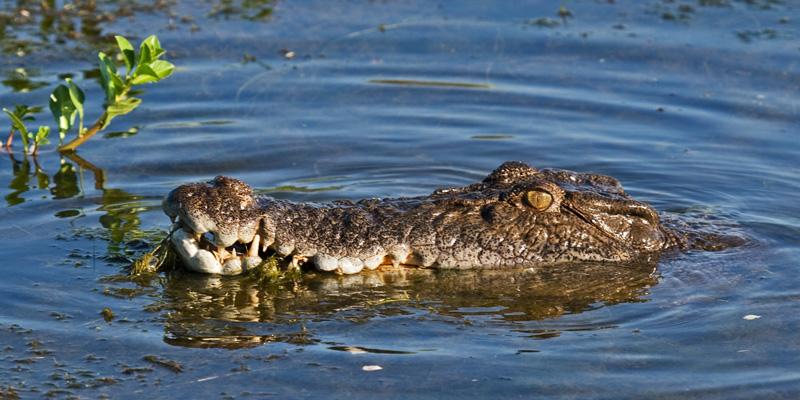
(74, 143)
(10, 139)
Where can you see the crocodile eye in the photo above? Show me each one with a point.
(539, 200)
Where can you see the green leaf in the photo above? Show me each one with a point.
(119, 85)
(121, 107)
(153, 72)
(144, 74)
(127, 52)
(154, 46)
(62, 108)
(144, 58)
(149, 51)
(41, 136)
(107, 73)
(16, 123)
(22, 111)
(77, 96)
(155, 54)
(162, 68)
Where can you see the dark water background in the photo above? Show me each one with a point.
(693, 105)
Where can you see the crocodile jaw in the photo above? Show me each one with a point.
(198, 259)
(198, 255)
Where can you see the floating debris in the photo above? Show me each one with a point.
(492, 137)
(107, 314)
(371, 368)
(751, 317)
(543, 22)
(288, 54)
(445, 84)
(354, 350)
(136, 370)
(173, 366)
(8, 393)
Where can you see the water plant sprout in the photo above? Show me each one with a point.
(67, 99)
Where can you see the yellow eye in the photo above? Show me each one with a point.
(539, 200)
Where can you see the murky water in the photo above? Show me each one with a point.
(693, 105)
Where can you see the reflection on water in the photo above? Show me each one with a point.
(121, 214)
(21, 80)
(32, 25)
(21, 180)
(232, 312)
(253, 10)
(120, 208)
(65, 181)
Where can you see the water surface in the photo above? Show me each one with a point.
(692, 105)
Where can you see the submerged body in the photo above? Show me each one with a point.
(517, 216)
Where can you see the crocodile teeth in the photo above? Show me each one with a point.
(253, 250)
(373, 262)
(222, 253)
(325, 262)
(233, 253)
(350, 265)
(196, 258)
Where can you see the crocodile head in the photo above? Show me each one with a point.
(517, 216)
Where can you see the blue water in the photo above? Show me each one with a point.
(693, 106)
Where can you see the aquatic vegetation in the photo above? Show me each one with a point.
(252, 10)
(67, 100)
(161, 258)
(171, 365)
(108, 314)
(271, 271)
(18, 116)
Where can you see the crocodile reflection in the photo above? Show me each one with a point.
(237, 312)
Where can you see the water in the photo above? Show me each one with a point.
(692, 105)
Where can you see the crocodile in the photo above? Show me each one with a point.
(518, 216)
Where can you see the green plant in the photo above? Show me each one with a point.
(65, 103)
(67, 100)
(30, 140)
